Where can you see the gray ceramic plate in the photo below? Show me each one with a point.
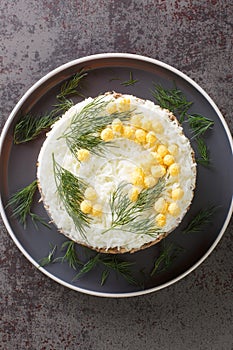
(214, 184)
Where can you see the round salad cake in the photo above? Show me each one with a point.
(116, 173)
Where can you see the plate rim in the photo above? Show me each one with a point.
(85, 59)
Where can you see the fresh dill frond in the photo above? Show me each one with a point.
(168, 254)
(104, 276)
(148, 196)
(202, 218)
(62, 106)
(126, 215)
(144, 226)
(110, 263)
(70, 255)
(86, 126)
(21, 203)
(88, 266)
(131, 81)
(71, 87)
(38, 219)
(199, 124)
(49, 258)
(172, 99)
(71, 192)
(29, 127)
(120, 267)
(203, 152)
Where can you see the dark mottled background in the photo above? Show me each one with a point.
(195, 37)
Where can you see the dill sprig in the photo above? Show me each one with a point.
(29, 127)
(168, 254)
(88, 266)
(49, 258)
(70, 255)
(126, 215)
(131, 81)
(203, 152)
(71, 192)
(199, 124)
(61, 107)
(173, 100)
(110, 263)
(203, 217)
(121, 267)
(21, 203)
(86, 126)
(71, 86)
(143, 226)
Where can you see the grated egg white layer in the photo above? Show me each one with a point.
(117, 165)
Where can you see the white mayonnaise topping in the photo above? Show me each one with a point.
(104, 173)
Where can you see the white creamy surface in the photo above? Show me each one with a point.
(105, 173)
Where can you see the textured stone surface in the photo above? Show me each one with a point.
(195, 37)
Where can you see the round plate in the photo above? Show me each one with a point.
(106, 72)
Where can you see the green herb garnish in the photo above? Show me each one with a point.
(61, 107)
(110, 263)
(88, 266)
(21, 203)
(126, 215)
(71, 192)
(28, 128)
(203, 152)
(49, 258)
(86, 126)
(173, 100)
(168, 254)
(70, 255)
(199, 124)
(203, 217)
(120, 266)
(131, 81)
(71, 87)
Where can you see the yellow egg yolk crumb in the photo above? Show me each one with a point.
(173, 209)
(168, 159)
(83, 155)
(90, 193)
(150, 181)
(160, 220)
(117, 125)
(174, 169)
(107, 134)
(86, 206)
(177, 193)
(128, 132)
(137, 177)
(162, 150)
(133, 194)
(140, 136)
(151, 138)
(161, 206)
